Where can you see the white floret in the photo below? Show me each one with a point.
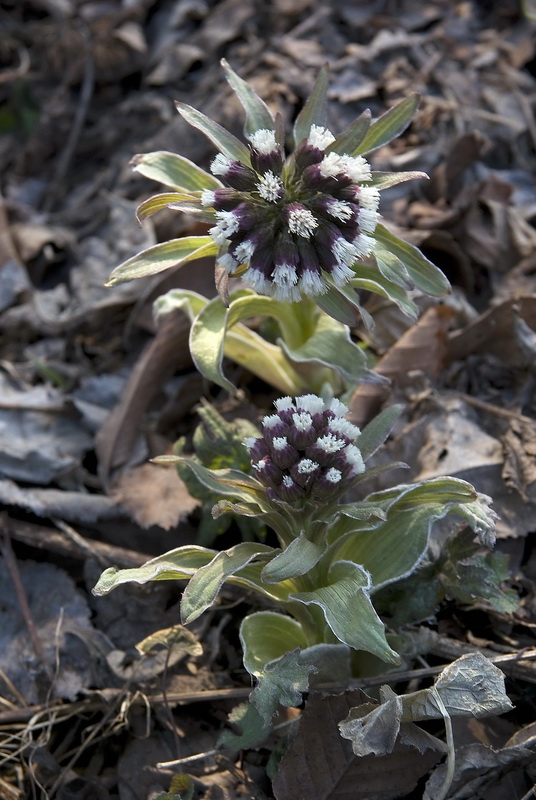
(354, 458)
(207, 198)
(269, 187)
(244, 251)
(220, 165)
(284, 403)
(344, 427)
(302, 222)
(302, 421)
(312, 284)
(333, 475)
(330, 443)
(306, 466)
(340, 209)
(311, 403)
(271, 421)
(320, 137)
(337, 407)
(263, 141)
(280, 442)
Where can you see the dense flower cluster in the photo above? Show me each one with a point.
(294, 222)
(307, 450)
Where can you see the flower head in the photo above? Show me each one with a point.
(298, 225)
(307, 451)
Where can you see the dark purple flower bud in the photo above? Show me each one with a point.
(220, 199)
(283, 454)
(289, 491)
(329, 484)
(305, 471)
(267, 472)
(237, 175)
(326, 448)
(285, 273)
(266, 154)
(257, 448)
(310, 280)
(272, 426)
(302, 431)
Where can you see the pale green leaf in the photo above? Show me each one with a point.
(383, 180)
(349, 140)
(346, 606)
(210, 340)
(330, 346)
(372, 280)
(177, 564)
(393, 269)
(426, 276)
(206, 583)
(158, 202)
(314, 110)
(190, 303)
(226, 482)
(163, 256)
(396, 548)
(283, 683)
(376, 432)
(174, 170)
(389, 125)
(258, 115)
(342, 306)
(266, 636)
(297, 559)
(226, 143)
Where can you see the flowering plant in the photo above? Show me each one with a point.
(332, 556)
(302, 230)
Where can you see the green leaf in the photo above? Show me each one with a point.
(282, 683)
(389, 125)
(297, 559)
(210, 339)
(228, 144)
(384, 180)
(392, 268)
(346, 606)
(248, 304)
(175, 171)
(342, 306)
(314, 110)
(330, 346)
(395, 548)
(425, 275)
(349, 140)
(376, 432)
(205, 585)
(253, 730)
(194, 207)
(163, 256)
(470, 576)
(372, 280)
(177, 564)
(258, 115)
(266, 636)
(190, 303)
(158, 202)
(226, 482)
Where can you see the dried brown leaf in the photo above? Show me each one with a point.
(154, 495)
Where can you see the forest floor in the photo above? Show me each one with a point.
(90, 389)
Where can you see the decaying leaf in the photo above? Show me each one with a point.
(154, 495)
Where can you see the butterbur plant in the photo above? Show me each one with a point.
(332, 555)
(297, 220)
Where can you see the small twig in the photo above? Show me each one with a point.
(86, 93)
(13, 569)
(451, 753)
(491, 409)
